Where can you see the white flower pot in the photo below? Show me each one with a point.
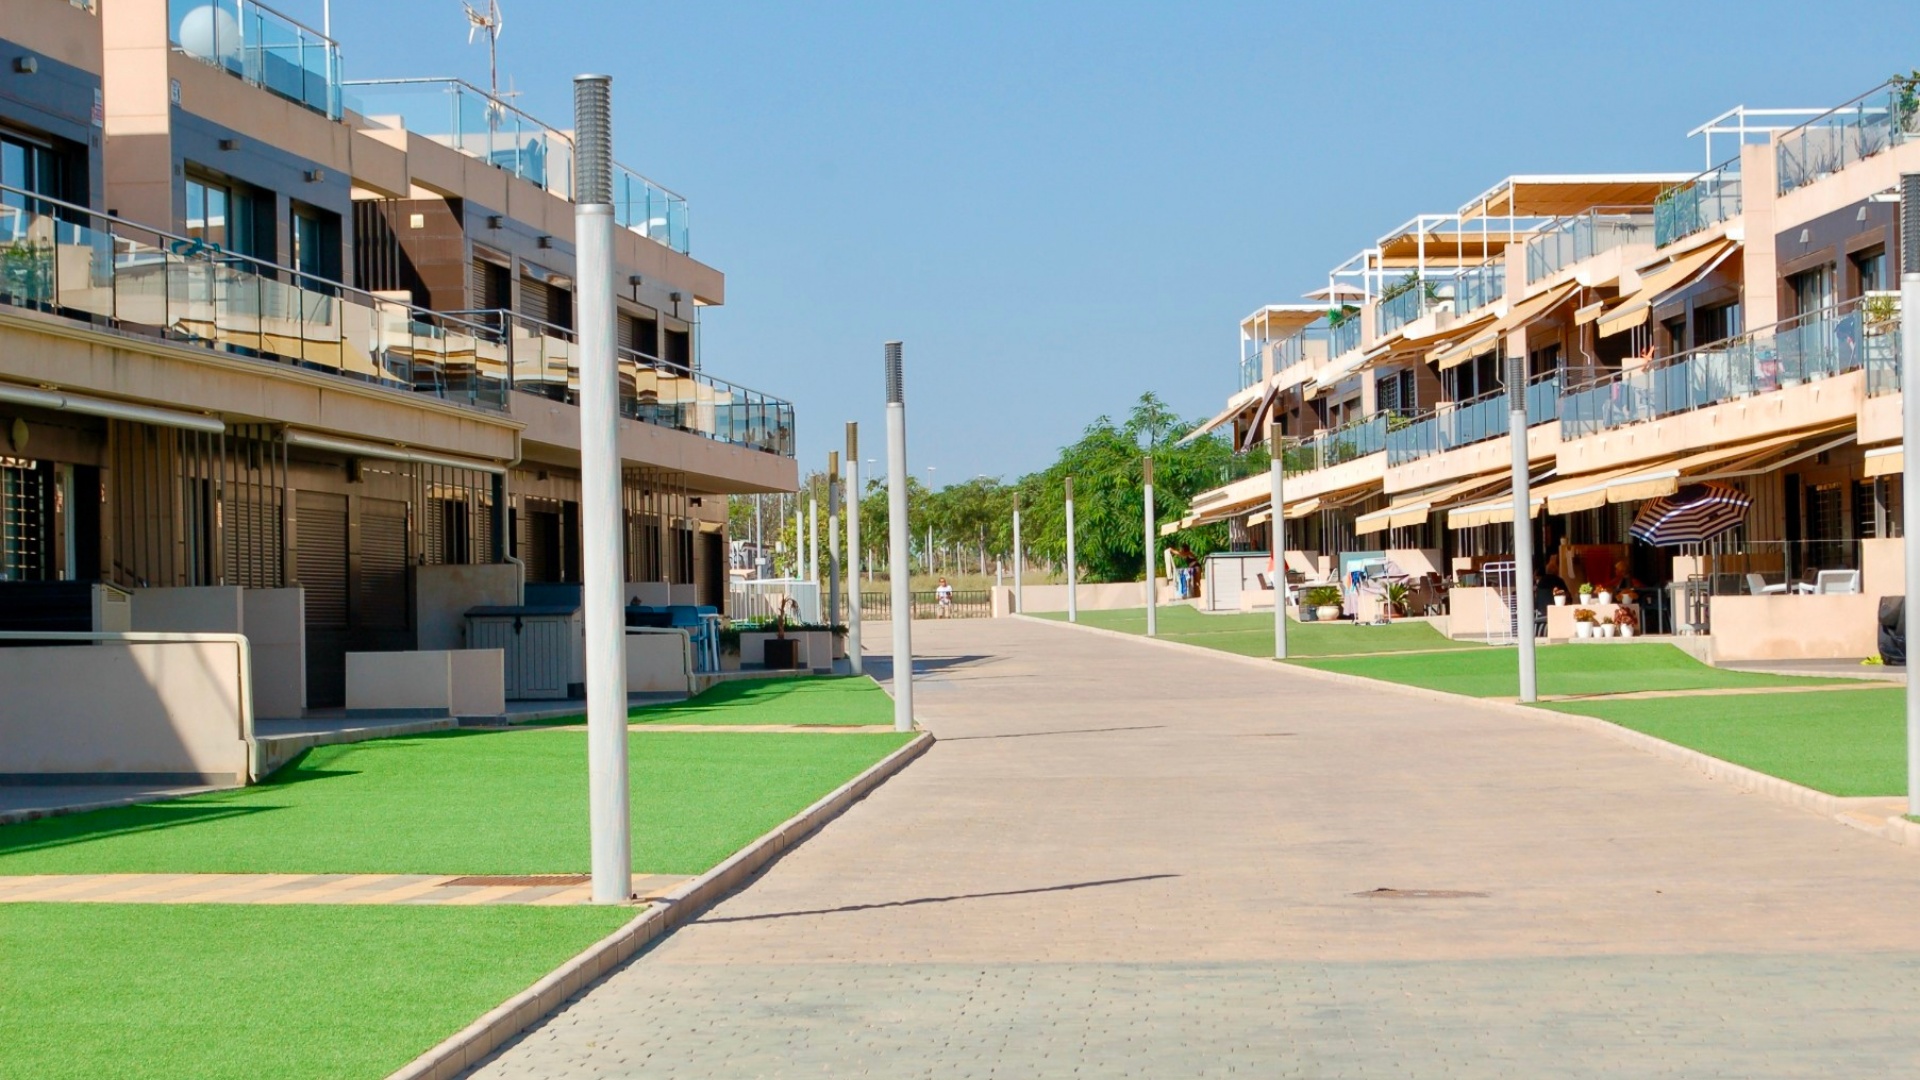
(1584, 630)
(1626, 631)
(1560, 601)
(1606, 629)
(1586, 598)
(1329, 613)
(1606, 598)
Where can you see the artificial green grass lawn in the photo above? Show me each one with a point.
(1562, 670)
(219, 991)
(1842, 742)
(1251, 634)
(812, 700)
(460, 803)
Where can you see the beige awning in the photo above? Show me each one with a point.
(1652, 482)
(1679, 272)
(1414, 508)
(1237, 404)
(1336, 371)
(1498, 509)
(1885, 461)
(1520, 315)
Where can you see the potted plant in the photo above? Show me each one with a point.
(1396, 594)
(1606, 596)
(1584, 621)
(1626, 622)
(1586, 592)
(1325, 600)
(1559, 596)
(782, 653)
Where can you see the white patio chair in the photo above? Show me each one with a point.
(1828, 582)
(1757, 585)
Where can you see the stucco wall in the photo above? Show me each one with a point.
(658, 662)
(156, 710)
(275, 623)
(1795, 627)
(443, 595)
(1111, 596)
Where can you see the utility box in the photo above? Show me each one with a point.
(65, 606)
(545, 647)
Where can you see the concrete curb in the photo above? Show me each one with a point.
(1895, 829)
(471, 1045)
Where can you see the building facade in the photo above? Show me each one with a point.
(264, 328)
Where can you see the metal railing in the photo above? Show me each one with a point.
(1698, 204)
(468, 119)
(261, 46)
(1883, 355)
(1582, 236)
(66, 260)
(1482, 285)
(1885, 116)
(1474, 420)
(965, 604)
(1778, 357)
(541, 360)
(1337, 446)
(1414, 299)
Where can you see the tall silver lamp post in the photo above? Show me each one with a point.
(813, 538)
(1019, 558)
(1522, 524)
(833, 538)
(799, 542)
(1909, 475)
(1073, 562)
(610, 822)
(1277, 529)
(854, 663)
(1152, 545)
(900, 573)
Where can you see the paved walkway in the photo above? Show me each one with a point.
(1126, 860)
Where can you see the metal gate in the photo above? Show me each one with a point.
(967, 604)
(1503, 619)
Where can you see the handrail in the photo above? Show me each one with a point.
(1898, 114)
(244, 654)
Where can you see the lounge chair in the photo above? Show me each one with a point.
(1828, 582)
(1757, 585)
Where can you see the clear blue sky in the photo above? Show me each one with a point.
(1059, 206)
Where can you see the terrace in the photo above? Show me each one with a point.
(261, 47)
(1474, 420)
(1886, 116)
(122, 277)
(1579, 237)
(1698, 205)
(1777, 357)
(466, 118)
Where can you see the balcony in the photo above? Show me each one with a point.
(1337, 446)
(1405, 301)
(1886, 116)
(260, 46)
(468, 119)
(652, 391)
(1697, 205)
(1475, 420)
(125, 278)
(1482, 285)
(1343, 337)
(1580, 237)
(1777, 357)
(1311, 343)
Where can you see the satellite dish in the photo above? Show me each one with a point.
(210, 33)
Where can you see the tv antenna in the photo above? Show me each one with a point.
(488, 22)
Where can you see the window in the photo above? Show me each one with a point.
(209, 212)
(30, 166)
(1676, 330)
(1716, 323)
(228, 216)
(1870, 268)
(1812, 290)
(316, 242)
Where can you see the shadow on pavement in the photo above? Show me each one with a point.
(941, 899)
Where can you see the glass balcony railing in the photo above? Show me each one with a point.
(1337, 446)
(1252, 368)
(1345, 337)
(1307, 344)
(543, 361)
(1480, 286)
(1697, 205)
(1468, 422)
(1582, 236)
(262, 47)
(1885, 116)
(1777, 357)
(1881, 325)
(468, 119)
(1406, 301)
(66, 260)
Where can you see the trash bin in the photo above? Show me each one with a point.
(1893, 631)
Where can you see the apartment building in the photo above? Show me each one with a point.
(267, 329)
(1738, 326)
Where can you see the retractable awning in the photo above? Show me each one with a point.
(1236, 405)
(1498, 509)
(1652, 482)
(1678, 273)
(1413, 508)
(1295, 511)
(1520, 315)
(1334, 372)
(1885, 461)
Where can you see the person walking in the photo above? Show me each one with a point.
(943, 598)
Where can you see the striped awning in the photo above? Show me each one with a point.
(1679, 272)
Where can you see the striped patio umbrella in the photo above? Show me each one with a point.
(1693, 515)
